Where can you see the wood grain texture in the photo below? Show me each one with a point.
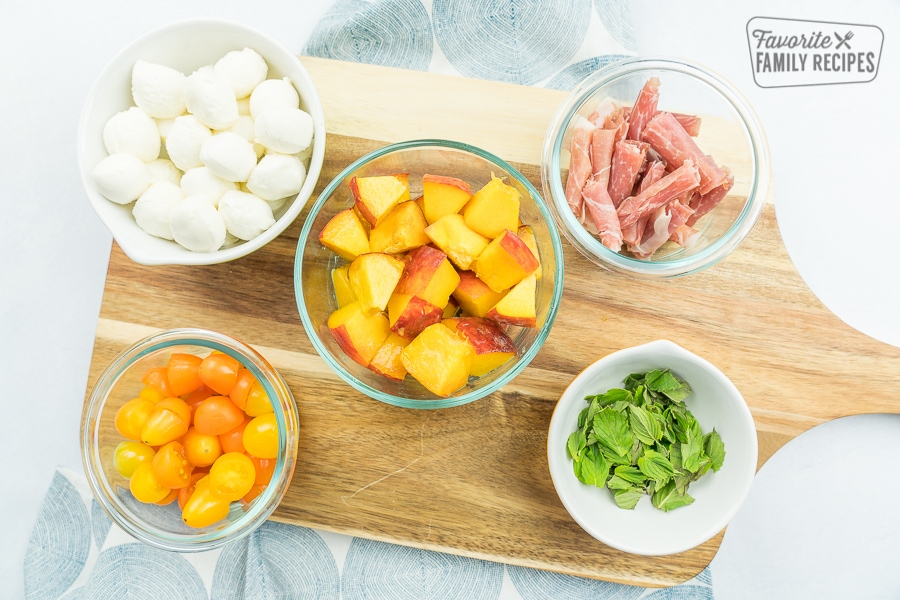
(473, 480)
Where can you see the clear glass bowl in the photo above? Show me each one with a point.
(313, 265)
(730, 131)
(161, 526)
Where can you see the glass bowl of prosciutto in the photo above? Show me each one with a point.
(655, 168)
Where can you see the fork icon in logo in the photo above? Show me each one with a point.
(843, 41)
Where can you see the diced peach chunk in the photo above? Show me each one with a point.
(400, 230)
(443, 196)
(409, 315)
(345, 235)
(505, 261)
(429, 275)
(358, 333)
(518, 306)
(493, 347)
(439, 359)
(493, 208)
(526, 234)
(376, 196)
(459, 243)
(340, 278)
(387, 361)
(474, 296)
(373, 277)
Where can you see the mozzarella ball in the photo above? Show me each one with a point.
(284, 130)
(201, 181)
(305, 154)
(273, 93)
(245, 215)
(163, 169)
(229, 156)
(197, 225)
(184, 141)
(211, 100)
(157, 89)
(151, 211)
(242, 71)
(132, 131)
(164, 126)
(244, 106)
(121, 177)
(276, 204)
(277, 176)
(245, 127)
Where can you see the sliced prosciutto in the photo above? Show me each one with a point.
(603, 214)
(653, 173)
(691, 123)
(579, 164)
(668, 188)
(644, 109)
(684, 236)
(666, 220)
(606, 107)
(627, 160)
(703, 203)
(666, 135)
(602, 143)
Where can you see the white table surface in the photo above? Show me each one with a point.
(819, 521)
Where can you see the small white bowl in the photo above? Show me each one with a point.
(646, 530)
(187, 46)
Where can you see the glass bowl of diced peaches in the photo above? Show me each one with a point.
(655, 167)
(189, 439)
(428, 273)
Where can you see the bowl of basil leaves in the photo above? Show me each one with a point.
(652, 449)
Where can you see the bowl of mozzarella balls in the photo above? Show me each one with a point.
(200, 142)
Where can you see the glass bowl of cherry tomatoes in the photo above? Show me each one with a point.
(189, 439)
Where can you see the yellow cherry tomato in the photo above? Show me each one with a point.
(261, 436)
(200, 449)
(128, 455)
(132, 416)
(170, 466)
(173, 495)
(168, 421)
(151, 394)
(257, 401)
(203, 508)
(144, 485)
(231, 476)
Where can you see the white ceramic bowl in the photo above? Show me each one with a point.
(715, 402)
(187, 46)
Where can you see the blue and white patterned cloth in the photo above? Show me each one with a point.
(77, 553)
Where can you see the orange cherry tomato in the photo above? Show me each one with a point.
(264, 468)
(197, 396)
(156, 379)
(233, 440)
(145, 487)
(261, 436)
(200, 449)
(219, 372)
(217, 415)
(173, 495)
(203, 508)
(132, 416)
(255, 491)
(183, 373)
(184, 493)
(171, 466)
(151, 394)
(231, 476)
(242, 385)
(128, 455)
(258, 401)
(168, 422)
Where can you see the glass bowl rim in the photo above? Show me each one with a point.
(285, 463)
(523, 360)
(589, 246)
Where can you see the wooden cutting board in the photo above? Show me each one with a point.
(473, 480)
